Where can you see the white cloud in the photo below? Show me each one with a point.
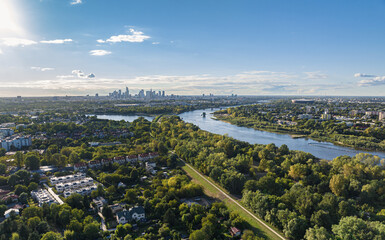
(370, 80)
(76, 74)
(75, 2)
(81, 74)
(1, 51)
(15, 42)
(99, 52)
(376, 81)
(135, 36)
(56, 41)
(155, 43)
(364, 75)
(315, 75)
(65, 76)
(42, 69)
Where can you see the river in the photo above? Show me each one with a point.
(322, 150)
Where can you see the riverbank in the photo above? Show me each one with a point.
(322, 150)
(336, 139)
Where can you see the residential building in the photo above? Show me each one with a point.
(16, 141)
(80, 166)
(133, 214)
(235, 232)
(143, 157)
(117, 208)
(150, 167)
(100, 202)
(132, 158)
(326, 116)
(8, 212)
(5, 132)
(95, 164)
(42, 196)
(77, 183)
(305, 116)
(153, 154)
(381, 116)
(120, 160)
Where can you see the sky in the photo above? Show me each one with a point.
(192, 47)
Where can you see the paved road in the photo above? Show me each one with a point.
(54, 195)
(103, 227)
(239, 205)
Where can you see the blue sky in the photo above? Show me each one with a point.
(270, 47)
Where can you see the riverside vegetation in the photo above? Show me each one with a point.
(359, 130)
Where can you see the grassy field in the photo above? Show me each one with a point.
(211, 191)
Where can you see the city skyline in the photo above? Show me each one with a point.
(58, 48)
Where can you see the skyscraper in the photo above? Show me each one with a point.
(127, 93)
(141, 93)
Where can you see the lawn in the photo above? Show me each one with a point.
(211, 191)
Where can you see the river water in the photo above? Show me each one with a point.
(322, 150)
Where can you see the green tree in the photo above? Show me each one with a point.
(52, 236)
(295, 228)
(338, 185)
(33, 222)
(3, 168)
(75, 201)
(75, 226)
(69, 235)
(42, 227)
(121, 231)
(107, 212)
(317, 233)
(15, 236)
(23, 198)
(91, 231)
(19, 158)
(32, 162)
(2, 152)
(32, 186)
(20, 189)
(131, 196)
(353, 228)
(199, 235)
(34, 236)
(13, 180)
(64, 217)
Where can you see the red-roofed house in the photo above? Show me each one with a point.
(107, 161)
(154, 154)
(80, 166)
(120, 160)
(143, 157)
(132, 158)
(94, 164)
(235, 232)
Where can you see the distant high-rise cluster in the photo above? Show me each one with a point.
(119, 94)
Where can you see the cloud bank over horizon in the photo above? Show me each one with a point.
(244, 83)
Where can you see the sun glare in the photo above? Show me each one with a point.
(8, 19)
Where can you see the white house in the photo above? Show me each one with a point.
(8, 213)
